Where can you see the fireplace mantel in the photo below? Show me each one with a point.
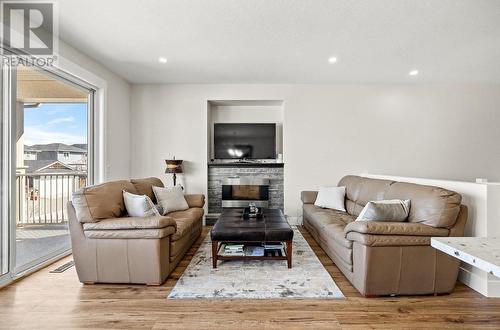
(237, 164)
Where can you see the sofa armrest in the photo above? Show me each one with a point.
(154, 227)
(157, 233)
(132, 223)
(394, 228)
(308, 197)
(195, 200)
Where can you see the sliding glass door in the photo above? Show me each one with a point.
(46, 146)
(51, 161)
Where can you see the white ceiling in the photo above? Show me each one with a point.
(270, 41)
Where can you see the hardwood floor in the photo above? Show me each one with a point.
(45, 300)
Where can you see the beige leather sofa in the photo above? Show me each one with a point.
(390, 258)
(110, 247)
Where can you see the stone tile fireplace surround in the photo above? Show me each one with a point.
(218, 172)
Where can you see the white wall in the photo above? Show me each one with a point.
(117, 116)
(419, 130)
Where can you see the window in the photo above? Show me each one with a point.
(66, 154)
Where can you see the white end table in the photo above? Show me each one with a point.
(481, 252)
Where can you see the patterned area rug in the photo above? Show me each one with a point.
(257, 279)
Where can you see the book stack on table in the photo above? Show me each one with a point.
(230, 249)
(253, 250)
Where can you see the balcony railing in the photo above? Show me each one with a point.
(42, 198)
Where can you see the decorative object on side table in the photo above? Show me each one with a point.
(252, 211)
(174, 166)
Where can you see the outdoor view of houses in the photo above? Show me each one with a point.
(48, 173)
(43, 157)
(53, 170)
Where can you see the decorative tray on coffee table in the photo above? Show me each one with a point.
(248, 215)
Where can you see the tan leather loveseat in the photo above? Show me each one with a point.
(390, 258)
(109, 247)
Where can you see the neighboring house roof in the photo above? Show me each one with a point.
(81, 146)
(59, 147)
(47, 166)
(30, 149)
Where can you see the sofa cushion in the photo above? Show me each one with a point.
(432, 206)
(360, 190)
(101, 201)
(130, 233)
(329, 224)
(185, 221)
(153, 222)
(335, 231)
(145, 186)
(320, 217)
(327, 227)
(338, 246)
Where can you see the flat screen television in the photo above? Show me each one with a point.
(244, 141)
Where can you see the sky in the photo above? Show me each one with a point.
(56, 123)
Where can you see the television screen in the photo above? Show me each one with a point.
(251, 141)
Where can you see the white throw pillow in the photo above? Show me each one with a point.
(385, 210)
(139, 205)
(331, 198)
(170, 199)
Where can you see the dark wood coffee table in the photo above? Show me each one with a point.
(232, 227)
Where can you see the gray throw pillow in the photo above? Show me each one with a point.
(170, 199)
(388, 210)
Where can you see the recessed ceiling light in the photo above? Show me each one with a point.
(413, 72)
(332, 60)
(162, 60)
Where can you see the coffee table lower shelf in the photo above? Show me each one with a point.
(216, 256)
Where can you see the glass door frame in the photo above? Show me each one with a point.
(6, 179)
(8, 172)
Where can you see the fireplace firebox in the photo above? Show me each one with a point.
(240, 191)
